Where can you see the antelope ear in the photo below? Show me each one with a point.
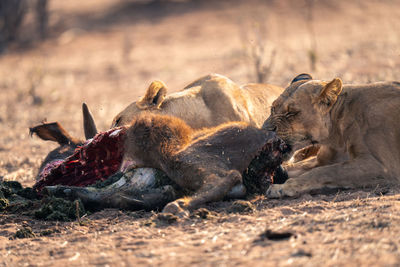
(154, 96)
(330, 92)
(53, 131)
(89, 126)
(302, 77)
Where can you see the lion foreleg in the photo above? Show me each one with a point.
(350, 174)
(326, 156)
(305, 153)
(298, 168)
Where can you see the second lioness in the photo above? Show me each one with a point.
(357, 127)
(206, 102)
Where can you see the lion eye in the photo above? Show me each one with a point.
(291, 114)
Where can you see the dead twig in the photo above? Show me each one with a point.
(254, 42)
(312, 52)
(78, 217)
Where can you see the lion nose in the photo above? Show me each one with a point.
(269, 126)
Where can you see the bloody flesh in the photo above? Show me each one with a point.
(95, 160)
(265, 169)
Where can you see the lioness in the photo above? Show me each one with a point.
(206, 102)
(356, 126)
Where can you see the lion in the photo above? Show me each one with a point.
(357, 128)
(207, 102)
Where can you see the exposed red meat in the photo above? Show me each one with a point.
(95, 160)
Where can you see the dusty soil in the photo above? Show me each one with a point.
(106, 52)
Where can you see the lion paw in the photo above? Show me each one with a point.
(281, 190)
(176, 208)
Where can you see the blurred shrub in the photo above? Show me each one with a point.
(12, 14)
(42, 18)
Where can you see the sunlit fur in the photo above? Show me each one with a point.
(208, 101)
(356, 126)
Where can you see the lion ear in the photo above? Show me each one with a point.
(302, 77)
(154, 96)
(330, 92)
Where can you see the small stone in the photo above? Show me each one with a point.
(301, 253)
(25, 232)
(168, 218)
(203, 213)
(241, 206)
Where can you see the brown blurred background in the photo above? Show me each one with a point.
(57, 54)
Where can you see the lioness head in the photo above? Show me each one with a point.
(151, 101)
(300, 115)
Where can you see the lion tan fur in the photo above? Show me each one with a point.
(356, 126)
(206, 102)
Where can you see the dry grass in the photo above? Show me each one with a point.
(347, 229)
(106, 52)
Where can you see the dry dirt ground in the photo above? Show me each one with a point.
(105, 53)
